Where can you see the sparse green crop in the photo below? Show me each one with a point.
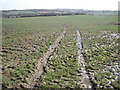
(25, 40)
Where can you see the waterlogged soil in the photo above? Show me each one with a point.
(94, 66)
(102, 59)
(68, 65)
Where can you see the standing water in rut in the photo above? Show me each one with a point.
(84, 76)
(66, 67)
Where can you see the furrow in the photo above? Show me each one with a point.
(42, 62)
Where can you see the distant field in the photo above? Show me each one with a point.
(25, 40)
(54, 12)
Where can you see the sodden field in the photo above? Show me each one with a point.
(60, 52)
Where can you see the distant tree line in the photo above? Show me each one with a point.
(37, 15)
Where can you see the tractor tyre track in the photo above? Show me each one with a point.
(85, 80)
(43, 61)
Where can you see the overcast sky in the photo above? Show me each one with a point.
(52, 4)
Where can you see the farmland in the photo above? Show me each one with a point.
(26, 41)
(54, 12)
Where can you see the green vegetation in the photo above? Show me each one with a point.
(61, 69)
(26, 39)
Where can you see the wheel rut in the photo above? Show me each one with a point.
(43, 61)
(85, 80)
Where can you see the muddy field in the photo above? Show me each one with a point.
(61, 52)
